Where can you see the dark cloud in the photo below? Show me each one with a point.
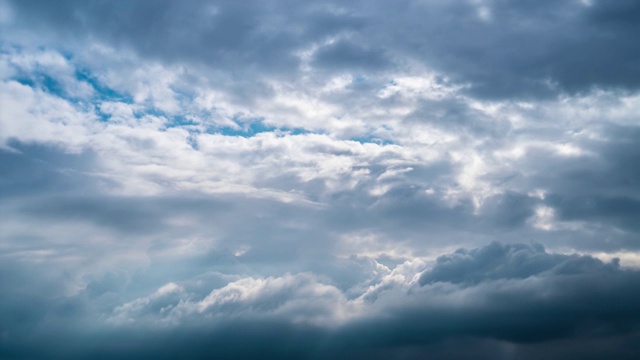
(499, 300)
(605, 189)
(526, 49)
(508, 210)
(518, 293)
(516, 261)
(598, 187)
(222, 35)
(619, 211)
(501, 48)
(346, 55)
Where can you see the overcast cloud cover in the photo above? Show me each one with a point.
(320, 180)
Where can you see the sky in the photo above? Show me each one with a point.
(288, 179)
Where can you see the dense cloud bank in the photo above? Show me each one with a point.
(505, 299)
(502, 48)
(371, 179)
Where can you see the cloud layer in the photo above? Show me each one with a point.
(497, 294)
(233, 179)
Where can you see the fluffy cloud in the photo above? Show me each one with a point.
(519, 294)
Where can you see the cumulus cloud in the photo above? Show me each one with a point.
(519, 294)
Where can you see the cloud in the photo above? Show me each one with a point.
(502, 49)
(343, 54)
(517, 293)
(516, 261)
(296, 298)
(497, 294)
(361, 180)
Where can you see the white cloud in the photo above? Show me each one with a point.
(30, 115)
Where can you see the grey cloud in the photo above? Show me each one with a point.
(456, 115)
(618, 211)
(528, 49)
(108, 283)
(233, 223)
(599, 188)
(514, 261)
(328, 253)
(34, 168)
(604, 189)
(406, 211)
(518, 293)
(346, 55)
(254, 35)
(509, 209)
(499, 299)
